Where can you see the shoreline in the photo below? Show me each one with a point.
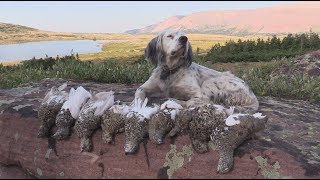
(103, 42)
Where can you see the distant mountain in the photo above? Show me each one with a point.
(289, 18)
(13, 28)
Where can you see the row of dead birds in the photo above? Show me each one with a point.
(88, 111)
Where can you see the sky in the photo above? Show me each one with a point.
(108, 16)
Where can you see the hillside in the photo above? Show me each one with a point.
(13, 33)
(13, 28)
(294, 18)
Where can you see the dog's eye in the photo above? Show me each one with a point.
(170, 36)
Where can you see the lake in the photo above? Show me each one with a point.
(26, 51)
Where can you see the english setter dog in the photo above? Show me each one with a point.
(176, 76)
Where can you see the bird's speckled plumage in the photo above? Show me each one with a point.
(90, 117)
(136, 124)
(113, 122)
(227, 138)
(49, 108)
(70, 111)
(204, 119)
(161, 123)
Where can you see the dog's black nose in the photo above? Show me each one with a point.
(183, 39)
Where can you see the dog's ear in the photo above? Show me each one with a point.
(153, 51)
(189, 55)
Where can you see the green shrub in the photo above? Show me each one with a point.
(260, 50)
(70, 68)
(257, 76)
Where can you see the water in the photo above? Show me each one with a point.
(26, 51)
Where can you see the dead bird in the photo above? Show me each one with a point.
(182, 121)
(113, 121)
(231, 132)
(70, 111)
(185, 116)
(204, 119)
(50, 107)
(90, 117)
(162, 122)
(136, 124)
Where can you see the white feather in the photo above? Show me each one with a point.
(230, 110)
(219, 107)
(76, 100)
(55, 95)
(104, 100)
(172, 107)
(120, 109)
(174, 113)
(258, 115)
(233, 119)
(142, 110)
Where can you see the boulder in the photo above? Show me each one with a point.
(289, 146)
(307, 64)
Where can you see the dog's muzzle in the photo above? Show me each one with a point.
(183, 39)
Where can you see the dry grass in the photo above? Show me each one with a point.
(135, 45)
(130, 49)
(31, 36)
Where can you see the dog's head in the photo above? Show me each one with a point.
(170, 48)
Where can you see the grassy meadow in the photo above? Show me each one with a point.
(133, 48)
(123, 62)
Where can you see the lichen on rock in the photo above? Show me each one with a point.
(269, 172)
(175, 160)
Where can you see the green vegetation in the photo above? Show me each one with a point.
(69, 67)
(251, 58)
(131, 49)
(261, 50)
(256, 74)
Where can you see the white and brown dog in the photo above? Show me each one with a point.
(176, 76)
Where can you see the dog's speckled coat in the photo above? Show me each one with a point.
(176, 76)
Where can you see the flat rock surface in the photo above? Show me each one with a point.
(289, 147)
